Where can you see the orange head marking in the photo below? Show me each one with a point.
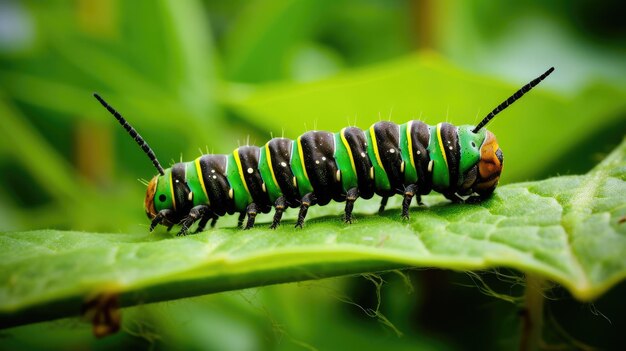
(149, 201)
(490, 164)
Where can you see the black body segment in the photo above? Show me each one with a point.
(182, 200)
(362, 163)
(280, 153)
(318, 149)
(213, 168)
(388, 140)
(249, 158)
(450, 140)
(420, 137)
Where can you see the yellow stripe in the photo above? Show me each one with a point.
(345, 143)
(408, 138)
(443, 151)
(375, 147)
(269, 163)
(238, 162)
(199, 171)
(302, 158)
(172, 191)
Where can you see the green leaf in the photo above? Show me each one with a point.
(264, 32)
(568, 229)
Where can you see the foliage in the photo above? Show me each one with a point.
(212, 75)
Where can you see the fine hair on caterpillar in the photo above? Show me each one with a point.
(463, 163)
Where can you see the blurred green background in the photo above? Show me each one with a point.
(212, 75)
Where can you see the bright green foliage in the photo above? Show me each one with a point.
(568, 229)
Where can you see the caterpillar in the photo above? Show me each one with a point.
(463, 163)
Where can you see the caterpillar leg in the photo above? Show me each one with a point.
(351, 197)
(279, 205)
(409, 192)
(196, 213)
(476, 199)
(383, 204)
(418, 199)
(252, 211)
(453, 197)
(240, 219)
(307, 201)
(160, 217)
(205, 219)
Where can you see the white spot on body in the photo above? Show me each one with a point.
(450, 147)
(283, 164)
(393, 151)
(338, 175)
(212, 171)
(230, 193)
(250, 170)
(362, 154)
(430, 165)
(402, 167)
(264, 188)
(190, 196)
(214, 177)
(317, 162)
(323, 158)
(418, 152)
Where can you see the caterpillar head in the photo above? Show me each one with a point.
(481, 162)
(160, 201)
(148, 203)
(489, 166)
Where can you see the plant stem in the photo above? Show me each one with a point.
(532, 317)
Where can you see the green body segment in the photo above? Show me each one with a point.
(410, 173)
(345, 163)
(380, 176)
(440, 173)
(297, 167)
(241, 196)
(165, 191)
(470, 144)
(196, 184)
(267, 173)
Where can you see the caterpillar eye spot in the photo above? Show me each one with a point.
(162, 198)
(473, 144)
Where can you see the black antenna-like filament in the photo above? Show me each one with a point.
(133, 133)
(518, 94)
